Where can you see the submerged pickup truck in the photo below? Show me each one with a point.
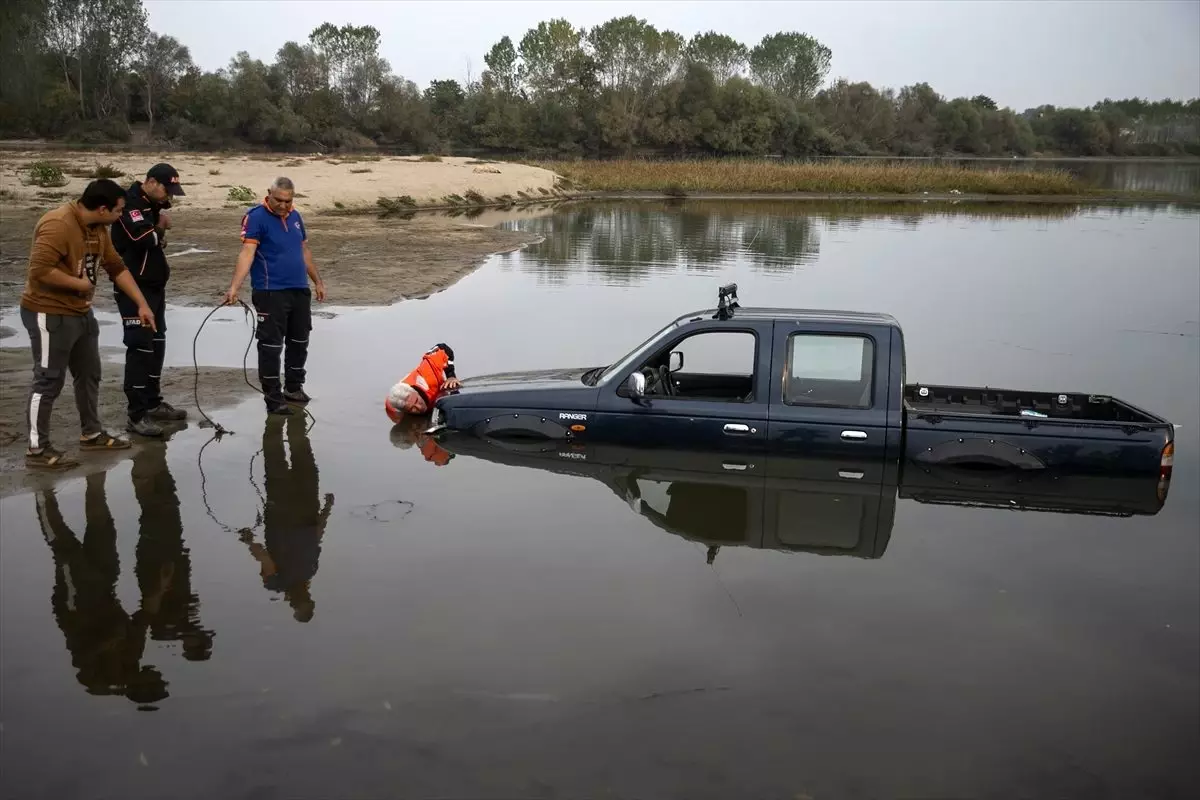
(832, 507)
(811, 384)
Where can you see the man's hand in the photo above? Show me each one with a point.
(83, 285)
(231, 296)
(164, 220)
(453, 384)
(320, 288)
(147, 317)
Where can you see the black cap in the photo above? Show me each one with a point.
(168, 176)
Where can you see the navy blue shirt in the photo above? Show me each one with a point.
(279, 258)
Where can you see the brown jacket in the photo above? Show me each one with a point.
(62, 242)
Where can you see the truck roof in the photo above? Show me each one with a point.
(799, 315)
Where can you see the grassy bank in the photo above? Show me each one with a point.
(761, 176)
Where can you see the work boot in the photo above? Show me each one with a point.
(165, 412)
(297, 396)
(143, 427)
(280, 411)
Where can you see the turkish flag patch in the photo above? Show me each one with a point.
(135, 215)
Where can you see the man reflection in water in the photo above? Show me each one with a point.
(293, 519)
(164, 560)
(410, 430)
(105, 642)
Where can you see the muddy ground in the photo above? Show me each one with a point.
(219, 387)
(364, 260)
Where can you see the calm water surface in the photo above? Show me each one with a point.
(331, 614)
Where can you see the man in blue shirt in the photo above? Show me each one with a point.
(276, 255)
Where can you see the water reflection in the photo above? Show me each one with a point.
(803, 505)
(293, 519)
(626, 243)
(107, 643)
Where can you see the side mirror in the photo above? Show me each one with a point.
(675, 362)
(636, 384)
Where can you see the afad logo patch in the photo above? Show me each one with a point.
(131, 322)
(136, 215)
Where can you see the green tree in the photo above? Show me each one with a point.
(720, 54)
(162, 63)
(504, 68)
(790, 64)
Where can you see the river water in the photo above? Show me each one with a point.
(333, 613)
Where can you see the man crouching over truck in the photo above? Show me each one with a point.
(422, 387)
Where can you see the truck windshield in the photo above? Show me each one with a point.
(619, 366)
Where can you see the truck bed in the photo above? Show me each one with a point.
(925, 400)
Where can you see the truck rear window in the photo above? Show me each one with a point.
(829, 370)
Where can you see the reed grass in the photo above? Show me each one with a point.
(679, 178)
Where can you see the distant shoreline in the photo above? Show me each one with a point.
(930, 197)
(26, 145)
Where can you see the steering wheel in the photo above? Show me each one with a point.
(664, 373)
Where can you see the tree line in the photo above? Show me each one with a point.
(91, 72)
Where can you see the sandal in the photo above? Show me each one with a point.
(104, 441)
(49, 458)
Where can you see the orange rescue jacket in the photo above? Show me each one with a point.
(436, 367)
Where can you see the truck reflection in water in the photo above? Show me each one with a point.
(107, 643)
(822, 506)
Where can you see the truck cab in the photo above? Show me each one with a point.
(794, 383)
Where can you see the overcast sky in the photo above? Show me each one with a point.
(1022, 53)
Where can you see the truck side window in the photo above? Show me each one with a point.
(717, 365)
(829, 370)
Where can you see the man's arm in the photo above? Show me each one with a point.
(311, 267)
(125, 282)
(244, 262)
(141, 232)
(48, 251)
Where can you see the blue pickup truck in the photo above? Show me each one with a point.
(752, 382)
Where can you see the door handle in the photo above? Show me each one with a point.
(730, 465)
(854, 436)
(736, 429)
(850, 474)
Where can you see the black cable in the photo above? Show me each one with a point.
(220, 429)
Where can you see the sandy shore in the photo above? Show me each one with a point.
(219, 387)
(322, 182)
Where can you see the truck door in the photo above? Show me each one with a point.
(829, 391)
(707, 390)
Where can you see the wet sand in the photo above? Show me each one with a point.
(219, 387)
(364, 260)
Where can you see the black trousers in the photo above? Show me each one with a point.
(144, 350)
(284, 322)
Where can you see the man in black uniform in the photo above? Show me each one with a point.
(140, 238)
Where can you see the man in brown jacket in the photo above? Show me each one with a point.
(69, 243)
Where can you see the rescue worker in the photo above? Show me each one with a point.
(420, 389)
(139, 236)
(276, 255)
(70, 243)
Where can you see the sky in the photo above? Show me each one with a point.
(1021, 53)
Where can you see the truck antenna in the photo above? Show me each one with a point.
(727, 301)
